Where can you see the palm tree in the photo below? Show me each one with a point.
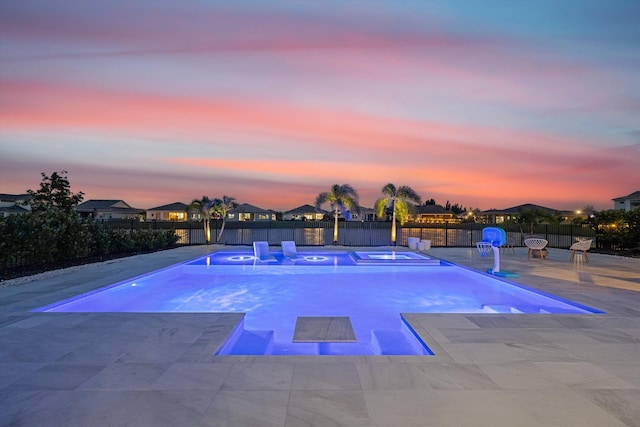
(203, 206)
(530, 217)
(399, 200)
(221, 207)
(341, 198)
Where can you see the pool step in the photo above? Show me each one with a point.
(395, 342)
(502, 308)
(252, 343)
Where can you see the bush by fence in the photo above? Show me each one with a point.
(54, 236)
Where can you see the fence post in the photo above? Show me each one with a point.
(471, 234)
(571, 234)
(546, 232)
(371, 229)
(446, 234)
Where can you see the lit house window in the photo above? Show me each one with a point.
(176, 216)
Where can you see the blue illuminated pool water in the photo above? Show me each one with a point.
(274, 294)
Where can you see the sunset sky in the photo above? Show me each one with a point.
(488, 104)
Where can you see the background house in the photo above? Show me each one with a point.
(304, 213)
(247, 212)
(628, 203)
(498, 216)
(10, 208)
(109, 209)
(172, 212)
(365, 214)
(432, 214)
(11, 204)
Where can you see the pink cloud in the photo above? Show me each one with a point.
(477, 66)
(475, 187)
(318, 147)
(55, 106)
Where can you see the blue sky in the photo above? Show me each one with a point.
(487, 104)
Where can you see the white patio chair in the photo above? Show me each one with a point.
(289, 249)
(581, 246)
(536, 244)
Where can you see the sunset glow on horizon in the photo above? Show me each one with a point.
(484, 104)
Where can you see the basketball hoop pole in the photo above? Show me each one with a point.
(484, 248)
(493, 238)
(496, 259)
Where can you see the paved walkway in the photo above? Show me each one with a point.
(109, 369)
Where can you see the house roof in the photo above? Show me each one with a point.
(177, 206)
(102, 204)
(14, 197)
(247, 208)
(107, 205)
(432, 209)
(305, 209)
(633, 196)
(517, 209)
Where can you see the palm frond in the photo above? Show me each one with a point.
(380, 206)
(342, 197)
(402, 211)
(389, 190)
(408, 194)
(321, 199)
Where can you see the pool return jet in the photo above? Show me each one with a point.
(492, 239)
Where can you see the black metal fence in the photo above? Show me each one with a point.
(352, 233)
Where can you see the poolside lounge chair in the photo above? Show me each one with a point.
(289, 249)
(261, 252)
(536, 244)
(582, 246)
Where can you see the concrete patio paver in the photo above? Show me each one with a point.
(139, 369)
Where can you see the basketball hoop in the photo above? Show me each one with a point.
(484, 248)
(492, 239)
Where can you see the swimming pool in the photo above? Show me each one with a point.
(364, 302)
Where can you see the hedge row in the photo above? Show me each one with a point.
(52, 236)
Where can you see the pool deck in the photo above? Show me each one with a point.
(107, 369)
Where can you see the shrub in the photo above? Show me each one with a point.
(148, 240)
(121, 242)
(44, 236)
(617, 229)
(53, 232)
